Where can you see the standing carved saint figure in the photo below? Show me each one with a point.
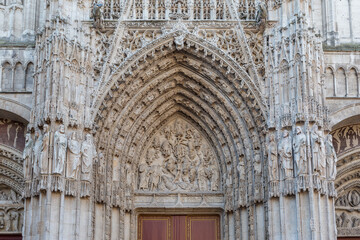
(273, 158)
(60, 146)
(37, 154)
(45, 150)
(285, 152)
(74, 157)
(27, 155)
(331, 158)
(318, 151)
(88, 153)
(261, 12)
(300, 151)
(98, 15)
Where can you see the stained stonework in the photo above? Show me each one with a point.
(244, 109)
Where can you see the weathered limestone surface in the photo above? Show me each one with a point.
(240, 108)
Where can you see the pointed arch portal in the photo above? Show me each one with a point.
(180, 128)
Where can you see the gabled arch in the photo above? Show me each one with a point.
(179, 83)
(165, 45)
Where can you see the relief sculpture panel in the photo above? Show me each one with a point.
(179, 158)
(346, 138)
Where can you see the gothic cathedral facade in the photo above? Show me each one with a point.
(179, 119)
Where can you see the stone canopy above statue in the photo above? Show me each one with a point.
(178, 158)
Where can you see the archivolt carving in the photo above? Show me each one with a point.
(169, 85)
(165, 45)
(178, 158)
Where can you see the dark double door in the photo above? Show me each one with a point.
(179, 227)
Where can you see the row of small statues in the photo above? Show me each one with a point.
(292, 152)
(69, 153)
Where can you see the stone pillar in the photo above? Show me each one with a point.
(300, 159)
(59, 178)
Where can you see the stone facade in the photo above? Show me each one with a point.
(245, 109)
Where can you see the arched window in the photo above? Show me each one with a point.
(7, 77)
(19, 78)
(29, 78)
(340, 83)
(329, 83)
(353, 83)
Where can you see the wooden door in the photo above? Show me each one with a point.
(179, 227)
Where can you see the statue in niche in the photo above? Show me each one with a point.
(129, 176)
(331, 158)
(60, 146)
(300, 152)
(27, 155)
(261, 12)
(45, 150)
(228, 189)
(37, 154)
(318, 151)
(257, 164)
(98, 15)
(88, 154)
(241, 168)
(144, 168)
(74, 156)
(273, 158)
(285, 152)
(101, 169)
(14, 218)
(7, 221)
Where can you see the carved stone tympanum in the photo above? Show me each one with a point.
(179, 159)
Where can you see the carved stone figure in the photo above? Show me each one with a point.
(331, 158)
(261, 12)
(300, 152)
(318, 151)
(27, 155)
(37, 154)
(285, 152)
(74, 161)
(7, 222)
(60, 147)
(241, 168)
(273, 158)
(45, 150)
(214, 177)
(98, 15)
(14, 218)
(178, 158)
(88, 154)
